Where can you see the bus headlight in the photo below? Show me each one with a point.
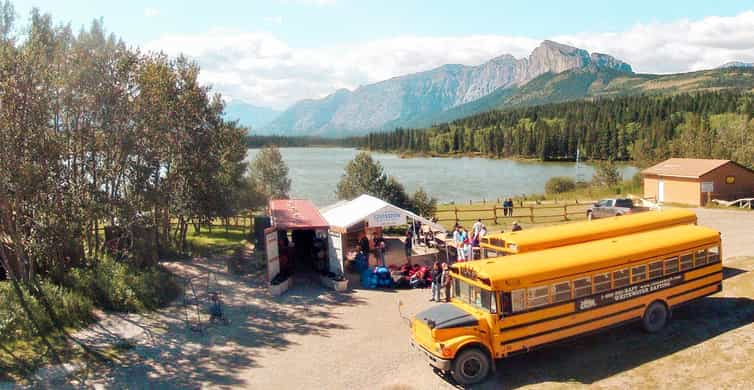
(512, 247)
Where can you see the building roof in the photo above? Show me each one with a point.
(541, 267)
(348, 214)
(693, 168)
(296, 214)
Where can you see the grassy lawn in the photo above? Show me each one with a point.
(533, 210)
(545, 213)
(217, 242)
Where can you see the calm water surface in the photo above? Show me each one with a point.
(315, 173)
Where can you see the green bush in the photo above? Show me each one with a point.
(71, 308)
(559, 185)
(118, 286)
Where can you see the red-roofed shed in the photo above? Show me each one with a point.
(296, 214)
(296, 242)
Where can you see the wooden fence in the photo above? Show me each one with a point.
(496, 215)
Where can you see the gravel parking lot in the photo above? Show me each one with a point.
(312, 338)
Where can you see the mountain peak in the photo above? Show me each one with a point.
(410, 98)
(559, 46)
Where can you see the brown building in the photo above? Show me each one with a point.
(695, 181)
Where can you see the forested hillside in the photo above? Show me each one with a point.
(643, 128)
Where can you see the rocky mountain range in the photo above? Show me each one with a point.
(420, 98)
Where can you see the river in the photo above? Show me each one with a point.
(315, 173)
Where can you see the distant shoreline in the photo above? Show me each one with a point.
(410, 155)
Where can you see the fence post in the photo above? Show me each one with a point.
(565, 212)
(531, 213)
(494, 213)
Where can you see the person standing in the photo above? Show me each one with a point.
(476, 227)
(467, 251)
(458, 241)
(379, 249)
(445, 279)
(364, 245)
(436, 274)
(408, 245)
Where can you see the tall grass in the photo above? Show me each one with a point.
(118, 286)
(71, 308)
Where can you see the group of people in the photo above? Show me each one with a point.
(441, 279)
(377, 247)
(508, 207)
(465, 241)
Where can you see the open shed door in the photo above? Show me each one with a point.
(273, 261)
(335, 252)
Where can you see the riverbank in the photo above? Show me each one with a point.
(315, 173)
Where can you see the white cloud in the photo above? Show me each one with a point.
(679, 46)
(273, 19)
(151, 12)
(260, 68)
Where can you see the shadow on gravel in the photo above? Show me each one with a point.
(729, 272)
(176, 357)
(599, 356)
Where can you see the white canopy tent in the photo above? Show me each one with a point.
(375, 211)
(365, 209)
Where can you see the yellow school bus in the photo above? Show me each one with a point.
(530, 300)
(574, 233)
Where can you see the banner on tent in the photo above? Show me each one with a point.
(386, 218)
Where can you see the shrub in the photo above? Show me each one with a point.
(69, 307)
(118, 286)
(606, 174)
(559, 185)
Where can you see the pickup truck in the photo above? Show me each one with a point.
(613, 208)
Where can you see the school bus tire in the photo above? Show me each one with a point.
(655, 317)
(471, 365)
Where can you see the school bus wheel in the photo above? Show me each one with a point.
(470, 366)
(655, 317)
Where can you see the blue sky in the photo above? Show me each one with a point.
(323, 22)
(275, 52)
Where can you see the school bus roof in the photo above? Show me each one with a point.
(572, 233)
(525, 269)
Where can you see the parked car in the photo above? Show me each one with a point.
(613, 208)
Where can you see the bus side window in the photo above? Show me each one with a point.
(687, 262)
(518, 301)
(714, 255)
(582, 287)
(537, 296)
(700, 258)
(671, 265)
(655, 269)
(638, 274)
(505, 303)
(620, 278)
(561, 292)
(601, 282)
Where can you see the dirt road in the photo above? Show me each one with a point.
(312, 338)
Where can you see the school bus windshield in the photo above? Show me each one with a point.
(474, 296)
